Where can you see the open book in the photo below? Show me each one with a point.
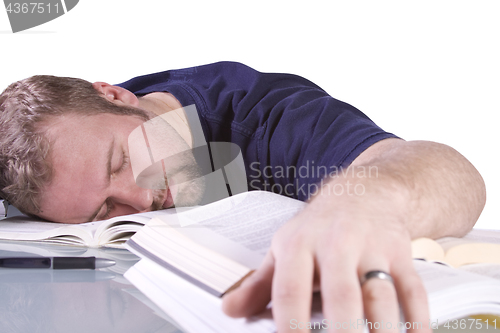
(217, 245)
(108, 233)
(479, 246)
(192, 258)
(452, 294)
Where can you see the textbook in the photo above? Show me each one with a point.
(108, 233)
(215, 246)
(453, 294)
(192, 258)
(479, 246)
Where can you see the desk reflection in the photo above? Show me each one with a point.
(55, 301)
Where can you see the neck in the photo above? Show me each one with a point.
(159, 103)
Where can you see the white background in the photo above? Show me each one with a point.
(424, 70)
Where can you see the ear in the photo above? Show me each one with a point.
(117, 95)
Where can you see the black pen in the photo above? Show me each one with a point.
(56, 262)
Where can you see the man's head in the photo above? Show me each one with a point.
(60, 137)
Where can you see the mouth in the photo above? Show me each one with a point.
(169, 200)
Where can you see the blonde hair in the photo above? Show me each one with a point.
(24, 151)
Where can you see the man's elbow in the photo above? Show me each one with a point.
(471, 190)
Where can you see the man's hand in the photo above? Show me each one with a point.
(418, 191)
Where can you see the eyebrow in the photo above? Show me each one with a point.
(108, 167)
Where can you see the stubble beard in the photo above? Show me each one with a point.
(188, 192)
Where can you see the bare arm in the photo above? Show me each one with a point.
(358, 222)
(442, 194)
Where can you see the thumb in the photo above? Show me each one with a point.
(254, 293)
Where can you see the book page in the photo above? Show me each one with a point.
(453, 293)
(491, 270)
(25, 225)
(251, 223)
(426, 248)
(108, 229)
(449, 242)
(209, 239)
(217, 252)
(243, 231)
(111, 233)
(43, 249)
(484, 235)
(191, 307)
(475, 236)
(479, 246)
(23, 228)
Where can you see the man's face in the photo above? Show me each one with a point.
(92, 174)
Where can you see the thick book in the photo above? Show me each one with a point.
(111, 233)
(217, 245)
(453, 295)
(192, 258)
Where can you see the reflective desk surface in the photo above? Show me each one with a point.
(44, 300)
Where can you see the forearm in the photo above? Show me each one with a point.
(428, 187)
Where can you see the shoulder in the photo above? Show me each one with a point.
(222, 73)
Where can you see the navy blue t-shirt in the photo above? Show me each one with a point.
(291, 132)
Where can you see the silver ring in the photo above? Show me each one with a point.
(381, 275)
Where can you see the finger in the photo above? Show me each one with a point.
(253, 295)
(413, 298)
(292, 287)
(341, 294)
(380, 304)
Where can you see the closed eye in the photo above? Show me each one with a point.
(125, 163)
(109, 208)
(109, 203)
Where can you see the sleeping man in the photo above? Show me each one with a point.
(65, 157)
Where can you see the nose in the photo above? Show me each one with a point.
(133, 196)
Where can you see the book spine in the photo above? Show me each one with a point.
(140, 251)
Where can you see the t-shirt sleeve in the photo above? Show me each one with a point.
(313, 136)
(292, 133)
